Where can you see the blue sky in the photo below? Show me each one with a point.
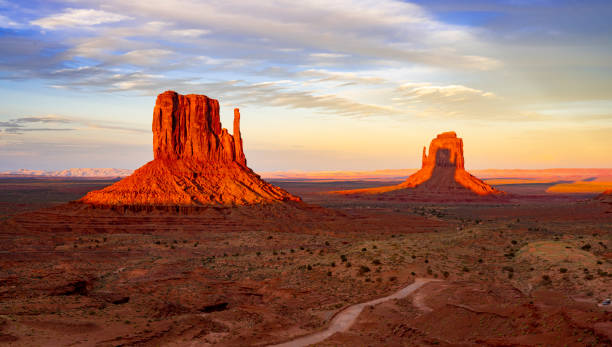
(353, 84)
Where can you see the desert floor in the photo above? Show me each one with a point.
(525, 270)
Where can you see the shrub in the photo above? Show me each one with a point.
(465, 269)
(376, 262)
(343, 258)
(348, 264)
(309, 267)
(329, 273)
(562, 270)
(445, 274)
(363, 269)
(364, 249)
(586, 247)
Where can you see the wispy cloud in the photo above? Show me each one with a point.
(51, 123)
(73, 17)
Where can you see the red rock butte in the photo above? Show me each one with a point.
(196, 162)
(442, 173)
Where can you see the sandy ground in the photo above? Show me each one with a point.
(528, 271)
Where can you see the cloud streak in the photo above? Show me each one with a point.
(73, 17)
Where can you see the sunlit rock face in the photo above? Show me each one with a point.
(443, 168)
(196, 162)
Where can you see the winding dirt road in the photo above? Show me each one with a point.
(345, 318)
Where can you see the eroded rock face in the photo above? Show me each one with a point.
(196, 162)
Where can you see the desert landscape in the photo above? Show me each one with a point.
(389, 173)
(182, 253)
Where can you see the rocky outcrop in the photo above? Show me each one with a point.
(442, 173)
(196, 162)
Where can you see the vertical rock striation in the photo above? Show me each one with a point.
(196, 162)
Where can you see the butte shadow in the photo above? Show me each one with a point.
(442, 177)
(196, 163)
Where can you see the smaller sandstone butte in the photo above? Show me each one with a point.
(442, 173)
(196, 162)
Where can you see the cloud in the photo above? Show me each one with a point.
(23, 124)
(73, 17)
(32, 124)
(456, 101)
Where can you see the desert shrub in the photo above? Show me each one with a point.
(375, 247)
(586, 247)
(270, 237)
(363, 269)
(258, 253)
(445, 274)
(292, 250)
(376, 262)
(329, 273)
(546, 280)
(513, 242)
(343, 258)
(562, 270)
(333, 264)
(392, 279)
(195, 244)
(412, 273)
(364, 249)
(426, 261)
(348, 264)
(309, 267)
(480, 260)
(466, 269)
(588, 277)
(429, 271)
(326, 243)
(302, 248)
(414, 257)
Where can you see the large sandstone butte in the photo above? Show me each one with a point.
(196, 162)
(442, 174)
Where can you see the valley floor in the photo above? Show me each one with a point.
(529, 270)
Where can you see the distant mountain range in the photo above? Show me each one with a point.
(75, 172)
(496, 176)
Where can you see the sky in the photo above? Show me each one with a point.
(342, 85)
